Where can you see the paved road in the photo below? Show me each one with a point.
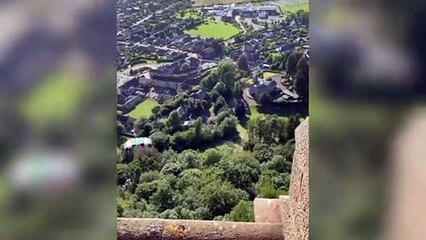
(191, 54)
(285, 90)
(238, 20)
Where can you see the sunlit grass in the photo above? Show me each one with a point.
(144, 109)
(215, 29)
(268, 74)
(56, 99)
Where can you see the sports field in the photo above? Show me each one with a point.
(215, 29)
(143, 109)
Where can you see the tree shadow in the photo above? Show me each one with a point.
(286, 109)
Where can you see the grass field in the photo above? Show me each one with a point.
(267, 74)
(143, 109)
(242, 131)
(254, 112)
(295, 8)
(215, 29)
(56, 99)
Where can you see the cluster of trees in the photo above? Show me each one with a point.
(223, 82)
(169, 132)
(176, 179)
(217, 184)
(271, 129)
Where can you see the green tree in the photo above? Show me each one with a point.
(159, 140)
(169, 214)
(219, 105)
(179, 141)
(146, 189)
(220, 197)
(120, 130)
(123, 173)
(150, 159)
(267, 189)
(198, 124)
(229, 127)
(173, 122)
(264, 99)
(243, 63)
(301, 84)
(262, 152)
(279, 164)
(139, 125)
(172, 168)
(242, 212)
(146, 130)
(209, 81)
(292, 61)
(242, 170)
(293, 123)
(149, 176)
(210, 157)
(188, 159)
(164, 197)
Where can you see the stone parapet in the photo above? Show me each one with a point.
(161, 229)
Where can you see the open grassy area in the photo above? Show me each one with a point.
(57, 99)
(242, 131)
(268, 74)
(254, 112)
(295, 8)
(143, 109)
(215, 29)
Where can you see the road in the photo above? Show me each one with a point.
(238, 20)
(285, 90)
(190, 54)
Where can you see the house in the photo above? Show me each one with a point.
(261, 86)
(228, 16)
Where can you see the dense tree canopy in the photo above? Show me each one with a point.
(206, 169)
(301, 84)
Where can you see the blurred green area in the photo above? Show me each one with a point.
(56, 99)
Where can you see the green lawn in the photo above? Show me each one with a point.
(295, 8)
(254, 112)
(242, 131)
(56, 99)
(267, 74)
(215, 29)
(143, 109)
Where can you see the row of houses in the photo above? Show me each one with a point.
(176, 77)
(229, 12)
